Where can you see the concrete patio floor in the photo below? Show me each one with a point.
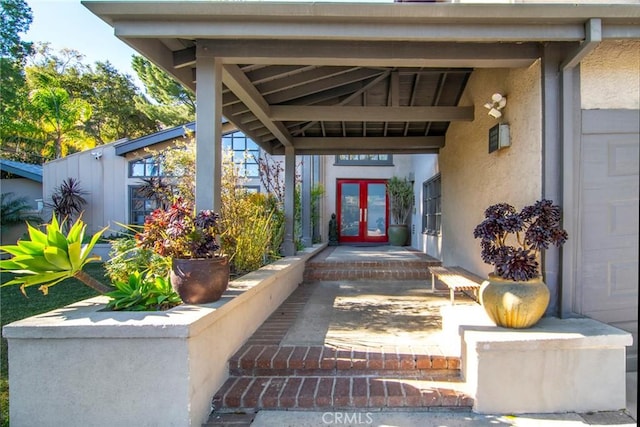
(387, 313)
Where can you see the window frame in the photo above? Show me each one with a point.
(249, 161)
(366, 162)
(432, 206)
(147, 162)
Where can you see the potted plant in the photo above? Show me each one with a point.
(199, 272)
(400, 193)
(515, 294)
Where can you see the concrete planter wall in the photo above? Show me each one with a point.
(81, 366)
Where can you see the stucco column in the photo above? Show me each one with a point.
(289, 245)
(208, 133)
(306, 201)
(552, 149)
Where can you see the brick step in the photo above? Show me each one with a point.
(389, 264)
(274, 360)
(311, 275)
(247, 394)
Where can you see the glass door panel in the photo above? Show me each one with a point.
(362, 211)
(376, 210)
(350, 210)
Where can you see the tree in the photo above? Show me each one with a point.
(15, 18)
(113, 119)
(174, 104)
(61, 117)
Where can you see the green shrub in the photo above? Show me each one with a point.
(252, 224)
(142, 293)
(126, 256)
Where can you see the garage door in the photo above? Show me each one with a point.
(607, 285)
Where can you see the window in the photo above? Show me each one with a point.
(245, 153)
(364, 160)
(145, 168)
(140, 206)
(432, 206)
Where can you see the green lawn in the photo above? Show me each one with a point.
(14, 306)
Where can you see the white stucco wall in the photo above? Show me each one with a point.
(473, 179)
(103, 179)
(331, 173)
(425, 166)
(610, 76)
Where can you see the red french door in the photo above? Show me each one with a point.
(362, 211)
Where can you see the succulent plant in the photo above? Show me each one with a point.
(511, 241)
(48, 258)
(179, 232)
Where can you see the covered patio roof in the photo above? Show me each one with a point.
(327, 78)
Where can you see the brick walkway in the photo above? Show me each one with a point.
(265, 374)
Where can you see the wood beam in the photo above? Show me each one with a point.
(184, 58)
(239, 84)
(371, 114)
(379, 144)
(374, 54)
(406, 31)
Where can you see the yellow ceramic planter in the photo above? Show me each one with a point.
(514, 304)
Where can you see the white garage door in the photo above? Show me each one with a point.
(608, 258)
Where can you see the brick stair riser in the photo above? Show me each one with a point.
(321, 392)
(365, 274)
(369, 264)
(259, 360)
(425, 374)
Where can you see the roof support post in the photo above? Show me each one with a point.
(306, 201)
(289, 244)
(208, 133)
(552, 159)
(571, 132)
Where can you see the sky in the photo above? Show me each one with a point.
(68, 24)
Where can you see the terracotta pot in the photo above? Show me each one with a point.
(514, 304)
(398, 234)
(200, 281)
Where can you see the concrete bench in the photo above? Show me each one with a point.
(456, 279)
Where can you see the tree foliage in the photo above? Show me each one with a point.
(113, 119)
(173, 105)
(15, 18)
(59, 117)
(53, 104)
(72, 106)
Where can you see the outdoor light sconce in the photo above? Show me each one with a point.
(498, 102)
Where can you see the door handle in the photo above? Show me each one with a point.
(360, 214)
(365, 215)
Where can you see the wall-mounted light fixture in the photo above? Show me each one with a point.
(97, 154)
(498, 102)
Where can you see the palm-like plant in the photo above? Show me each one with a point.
(48, 258)
(67, 200)
(15, 210)
(61, 117)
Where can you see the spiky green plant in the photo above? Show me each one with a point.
(48, 258)
(143, 293)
